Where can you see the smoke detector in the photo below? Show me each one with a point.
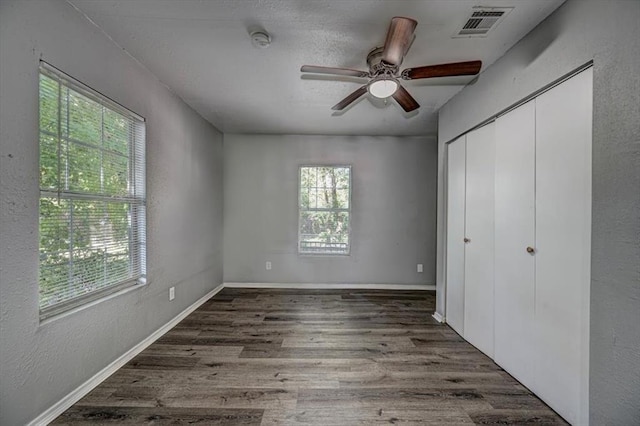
(260, 38)
(482, 20)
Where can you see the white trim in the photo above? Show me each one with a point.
(438, 317)
(54, 317)
(329, 286)
(61, 406)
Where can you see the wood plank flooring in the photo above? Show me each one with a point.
(319, 357)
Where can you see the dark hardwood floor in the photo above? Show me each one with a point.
(324, 357)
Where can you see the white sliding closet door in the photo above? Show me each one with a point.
(563, 245)
(456, 165)
(514, 232)
(479, 231)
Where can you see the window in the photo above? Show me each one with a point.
(324, 209)
(92, 195)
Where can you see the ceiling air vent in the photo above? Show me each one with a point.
(482, 20)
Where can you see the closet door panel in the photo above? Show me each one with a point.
(456, 165)
(479, 230)
(563, 242)
(514, 232)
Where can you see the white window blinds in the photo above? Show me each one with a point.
(92, 194)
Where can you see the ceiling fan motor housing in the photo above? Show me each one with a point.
(377, 66)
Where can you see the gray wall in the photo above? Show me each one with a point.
(609, 33)
(393, 208)
(40, 364)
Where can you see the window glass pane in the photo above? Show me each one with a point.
(54, 247)
(83, 168)
(118, 267)
(313, 176)
(87, 271)
(48, 161)
(54, 229)
(323, 200)
(305, 196)
(117, 221)
(342, 198)
(84, 118)
(100, 230)
(99, 224)
(48, 105)
(85, 224)
(51, 274)
(324, 232)
(342, 177)
(115, 174)
(116, 132)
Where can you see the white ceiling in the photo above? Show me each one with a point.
(202, 50)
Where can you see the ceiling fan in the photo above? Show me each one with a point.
(384, 64)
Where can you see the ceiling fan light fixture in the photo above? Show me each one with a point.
(383, 87)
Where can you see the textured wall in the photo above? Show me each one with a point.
(393, 208)
(607, 33)
(40, 364)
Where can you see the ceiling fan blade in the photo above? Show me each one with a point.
(334, 71)
(406, 101)
(442, 70)
(399, 38)
(350, 99)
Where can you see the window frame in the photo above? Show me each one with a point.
(300, 210)
(136, 197)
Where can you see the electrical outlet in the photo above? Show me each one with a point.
(420, 267)
(172, 293)
(268, 265)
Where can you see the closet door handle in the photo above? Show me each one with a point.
(467, 240)
(531, 250)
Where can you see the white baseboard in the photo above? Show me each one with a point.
(61, 406)
(438, 317)
(330, 286)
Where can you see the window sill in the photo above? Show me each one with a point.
(324, 254)
(52, 316)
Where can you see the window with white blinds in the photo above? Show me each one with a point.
(92, 194)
